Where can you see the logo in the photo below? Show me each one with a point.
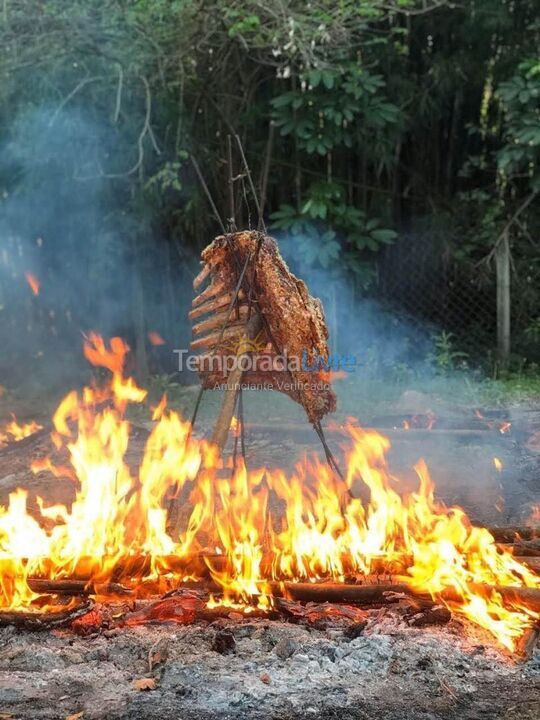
(244, 345)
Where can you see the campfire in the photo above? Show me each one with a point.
(257, 541)
(193, 534)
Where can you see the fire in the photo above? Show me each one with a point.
(255, 527)
(155, 338)
(498, 464)
(504, 427)
(33, 282)
(15, 431)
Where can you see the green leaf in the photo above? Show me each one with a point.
(384, 236)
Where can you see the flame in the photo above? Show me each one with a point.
(262, 525)
(498, 464)
(33, 282)
(155, 338)
(14, 431)
(504, 427)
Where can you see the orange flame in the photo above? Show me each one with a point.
(155, 338)
(313, 527)
(14, 431)
(33, 282)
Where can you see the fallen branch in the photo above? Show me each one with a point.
(527, 643)
(522, 548)
(533, 563)
(375, 594)
(75, 587)
(339, 592)
(43, 620)
(512, 534)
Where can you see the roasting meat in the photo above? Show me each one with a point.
(293, 322)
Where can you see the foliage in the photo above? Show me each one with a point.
(385, 112)
(445, 356)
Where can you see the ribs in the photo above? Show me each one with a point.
(291, 349)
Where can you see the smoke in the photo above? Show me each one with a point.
(75, 229)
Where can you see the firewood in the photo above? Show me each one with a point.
(75, 587)
(513, 534)
(522, 548)
(43, 620)
(339, 592)
(527, 643)
(532, 562)
(434, 615)
(374, 594)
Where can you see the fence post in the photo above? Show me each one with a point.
(502, 261)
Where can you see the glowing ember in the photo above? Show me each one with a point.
(505, 427)
(155, 338)
(33, 282)
(313, 528)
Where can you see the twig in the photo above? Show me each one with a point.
(232, 223)
(266, 169)
(524, 205)
(43, 620)
(79, 86)
(208, 195)
(251, 185)
(119, 89)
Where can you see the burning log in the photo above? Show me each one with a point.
(43, 620)
(527, 643)
(374, 594)
(513, 534)
(339, 592)
(75, 587)
(522, 548)
(532, 562)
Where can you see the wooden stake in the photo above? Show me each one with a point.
(502, 262)
(226, 412)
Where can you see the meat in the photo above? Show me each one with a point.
(290, 353)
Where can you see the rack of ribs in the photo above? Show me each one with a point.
(287, 343)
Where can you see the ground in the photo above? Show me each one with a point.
(275, 670)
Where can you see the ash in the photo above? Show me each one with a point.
(266, 669)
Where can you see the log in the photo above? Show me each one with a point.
(75, 587)
(374, 594)
(339, 592)
(533, 563)
(513, 533)
(523, 548)
(526, 645)
(43, 620)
